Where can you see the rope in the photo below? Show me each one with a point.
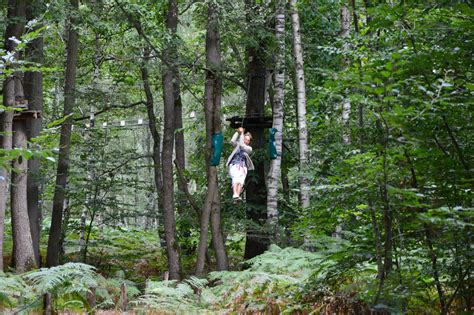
(247, 95)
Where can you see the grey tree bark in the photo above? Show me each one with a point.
(179, 134)
(178, 108)
(54, 241)
(172, 246)
(15, 28)
(33, 85)
(212, 106)
(23, 253)
(273, 178)
(301, 105)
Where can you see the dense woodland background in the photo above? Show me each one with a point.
(108, 180)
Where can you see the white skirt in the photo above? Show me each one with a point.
(237, 173)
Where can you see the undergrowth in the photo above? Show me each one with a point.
(281, 281)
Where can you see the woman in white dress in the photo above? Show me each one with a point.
(239, 161)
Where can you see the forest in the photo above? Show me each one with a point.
(237, 156)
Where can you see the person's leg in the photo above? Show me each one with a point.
(233, 174)
(241, 181)
(235, 190)
(238, 189)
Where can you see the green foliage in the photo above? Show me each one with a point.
(68, 285)
(272, 282)
(278, 281)
(135, 253)
(14, 291)
(67, 278)
(407, 171)
(175, 297)
(406, 77)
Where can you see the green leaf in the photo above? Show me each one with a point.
(385, 73)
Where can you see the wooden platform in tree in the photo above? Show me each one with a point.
(26, 114)
(252, 121)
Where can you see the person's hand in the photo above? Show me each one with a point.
(240, 130)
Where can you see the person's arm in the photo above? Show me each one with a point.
(234, 139)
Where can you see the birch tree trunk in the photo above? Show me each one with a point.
(212, 104)
(301, 105)
(54, 241)
(278, 112)
(33, 84)
(172, 246)
(15, 27)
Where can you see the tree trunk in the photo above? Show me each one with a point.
(15, 27)
(23, 252)
(255, 191)
(301, 105)
(178, 108)
(218, 241)
(33, 85)
(255, 184)
(278, 112)
(212, 103)
(213, 56)
(52, 257)
(156, 155)
(383, 137)
(6, 129)
(172, 245)
(179, 134)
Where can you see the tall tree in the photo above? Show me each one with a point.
(212, 106)
(152, 125)
(14, 30)
(178, 118)
(33, 84)
(23, 253)
(172, 246)
(301, 105)
(52, 257)
(255, 191)
(278, 112)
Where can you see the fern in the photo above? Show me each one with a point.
(108, 291)
(270, 284)
(191, 295)
(68, 278)
(14, 291)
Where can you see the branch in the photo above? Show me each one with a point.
(187, 7)
(112, 170)
(109, 108)
(440, 146)
(237, 55)
(461, 280)
(219, 74)
(455, 142)
(138, 26)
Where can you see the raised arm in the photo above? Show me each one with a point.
(235, 139)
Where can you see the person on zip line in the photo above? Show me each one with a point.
(239, 161)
